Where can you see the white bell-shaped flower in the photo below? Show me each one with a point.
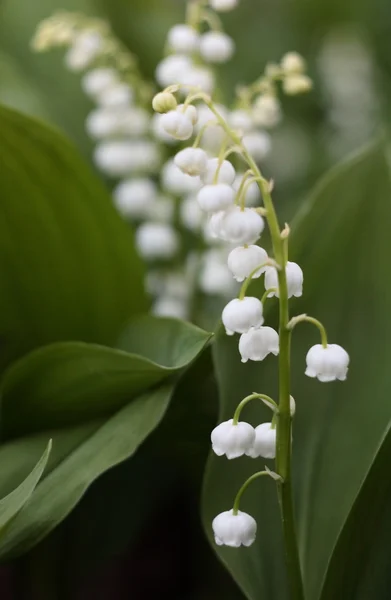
(258, 144)
(102, 123)
(244, 259)
(190, 111)
(240, 315)
(116, 96)
(159, 132)
(191, 161)
(83, 51)
(216, 47)
(183, 38)
(214, 134)
(178, 183)
(293, 63)
(252, 192)
(241, 226)
(327, 364)
(177, 125)
(223, 5)
(172, 69)
(256, 344)
(167, 306)
(191, 214)
(297, 84)
(294, 277)
(119, 158)
(214, 198)
(156, 241)
(226, 172)
(234, 530)
(97, 80)
(241, 120)
(267, 111)
(198, 77)
(135, 197)
(215, 278)
(232, 440)
(265, 442)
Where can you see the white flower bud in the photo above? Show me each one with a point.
(118, 95)
(294, 277)
(119, 158)
(198, 77)
(244, 259)
(102, 123)
(267, 111)
(214, 198)
(84, 50)
(170, 307)
(265, 442)
(191, 161)
(98, 80)
(172, 69)
(189, 111)
(256, 344)
(241, 226)
(190, 213)
(135, 197)
(216, 47)
(177, 125)
(232, 440)
(241, 121)
(258, 144)
(296, 84)
(156, 241)
(234, 530)
(223, 5)
(327, 364)
(178, 183)
(252, 193)
(164, 102)
(183, 38)
(160, 133)
(214, 226)
(240, 315)
(215, 277)
(293, 63)
(213, 136)
(226, 172)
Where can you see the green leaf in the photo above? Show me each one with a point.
(14, 502)
(68, 264)
(68, 383)
(342, 241)
(79, 456)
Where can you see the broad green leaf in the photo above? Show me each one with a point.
(342, 241)
(68, 264)
(15, 500)
(79, 456)
(71, 382)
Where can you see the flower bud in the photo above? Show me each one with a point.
(294, 277)
(241, 226)
(266, 111)
(240, 315)
(177, 182)
(118, 95)
(232, 440)
(164, 102)
(135, 197)
(97, 80)
(256, 344)
(172, 69)
(189, 111)
(177, 125)
(216, 47)
(258, 144)
(265, 442)
(234, 530)
(156, 241)
(294, 85)
(241, 121)
(214, 198)
(226, 172)
(183, 38)
(223, 5)
(327, 364)
(244, 259)
(293, 63)
(191, 161)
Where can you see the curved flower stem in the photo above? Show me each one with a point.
(304, 318)
(266, 294)
(248, 279)
(284, 424)
(243, 489)
(265, 399)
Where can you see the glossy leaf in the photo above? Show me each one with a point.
(68, 383)
(341, 239)
(11, 504)
(79, 456)
(69, 268)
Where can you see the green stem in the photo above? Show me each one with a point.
(266, 294)
(248, 279)
(243, 489)
(304, 318)
(269, 401)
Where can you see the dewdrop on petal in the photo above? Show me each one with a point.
(172, 69)
(216, 47)
(156, 241)
(294, 277)
(327, 364)
(135, 197)
(244, 259)
(294, 85)
(240, 315)
(223, 5)
(265, 442)
(178, 183)
(183, 38)
(258, 144)
(177, 125)
(293, 63)
(256, 344)
(226, 172)
(232, 440)
(214, 198)
(191, 161)
(234, 530)
(97, 80)
(164, 102)
(241, 226)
